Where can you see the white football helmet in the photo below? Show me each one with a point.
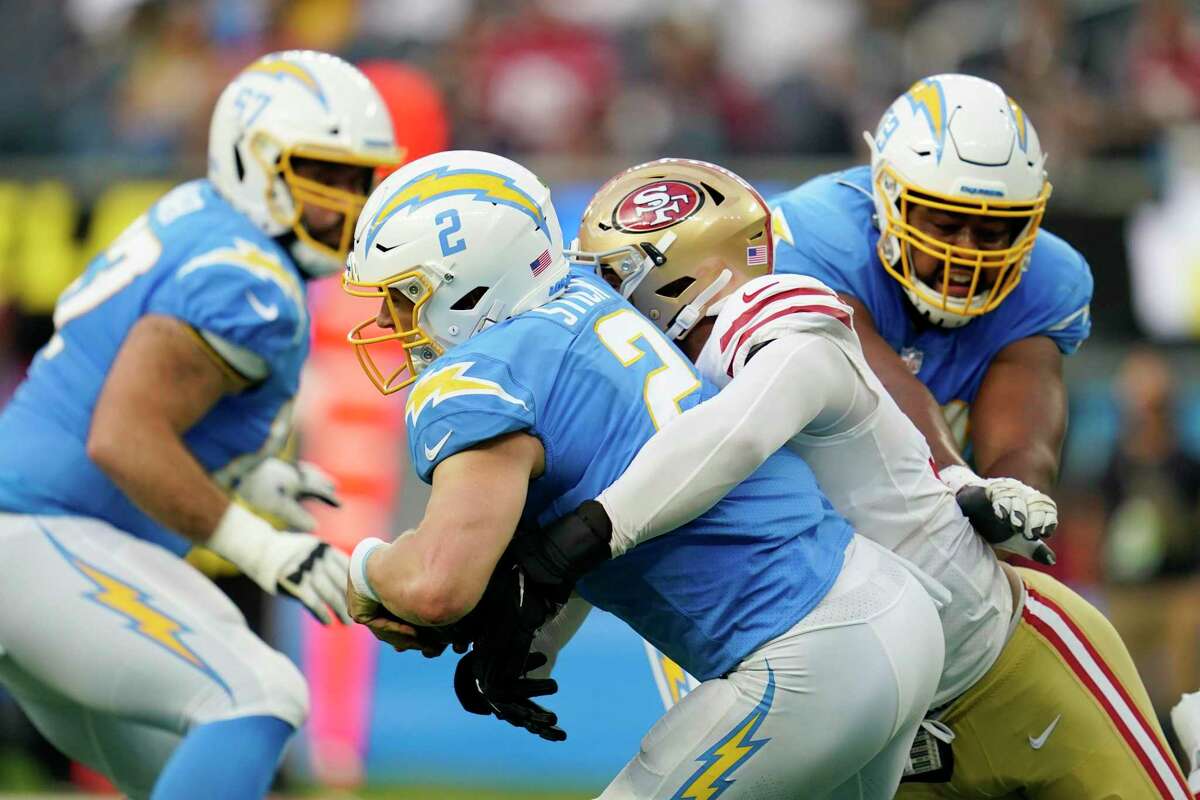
(298, 104)
(957, 143)
(468, 239)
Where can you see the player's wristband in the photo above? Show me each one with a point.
(243, 538)
(358, 567)
(957, 476)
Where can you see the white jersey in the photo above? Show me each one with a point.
(876, 469)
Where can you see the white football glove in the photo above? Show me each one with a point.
(1006, 512)
(275, 489)
(303, 566)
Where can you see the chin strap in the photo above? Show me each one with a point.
(692, 313)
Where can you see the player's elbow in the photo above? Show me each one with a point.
(105, 448)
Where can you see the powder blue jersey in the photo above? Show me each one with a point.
(191, 257)
(592, 379)
(827, 231)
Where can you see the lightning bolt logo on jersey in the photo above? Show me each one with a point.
(825, 229)
(191, 257)
(442, 384)
(591, 378)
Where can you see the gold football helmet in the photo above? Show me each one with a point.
(671, 235)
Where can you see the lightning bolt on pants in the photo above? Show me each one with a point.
(827, 710)
(116, 648)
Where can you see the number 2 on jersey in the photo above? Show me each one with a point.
(666, 385)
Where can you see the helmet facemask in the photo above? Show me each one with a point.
(990, 275)
(405, 295)
(289, 193)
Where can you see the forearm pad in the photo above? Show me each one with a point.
(567, 549)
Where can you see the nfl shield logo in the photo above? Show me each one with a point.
(913, 359)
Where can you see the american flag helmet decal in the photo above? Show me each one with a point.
(540, 264)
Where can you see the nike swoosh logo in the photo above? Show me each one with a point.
(432, 452)
(268, 312)
(383, 249)
(1037, 743)
(748, 297)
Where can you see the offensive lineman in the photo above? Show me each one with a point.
(1039, 697)
(535, 389)
(167, 386)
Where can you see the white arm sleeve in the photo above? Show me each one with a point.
(801, 382)
(553, 636)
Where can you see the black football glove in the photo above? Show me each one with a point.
(480, 692)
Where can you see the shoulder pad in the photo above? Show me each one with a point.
(455, 406)
(768, 308)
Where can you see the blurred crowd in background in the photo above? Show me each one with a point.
(1113, 87)
(712, 78)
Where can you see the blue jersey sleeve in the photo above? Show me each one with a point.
(1054, 296)
(463, 400)
(243, 294)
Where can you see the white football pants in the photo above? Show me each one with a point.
(827, 710)
(115, 647)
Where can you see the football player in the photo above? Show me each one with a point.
(963, 305)
(168, 387)
(535, 390)
(1039, 697)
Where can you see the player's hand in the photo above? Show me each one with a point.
(402, 636)
(994, 521)
(313, 572)
(276, 489)
(299, 564)
(480, 691)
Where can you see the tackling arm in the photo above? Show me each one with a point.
(914, 399)
(435, 574)
(1019, 417)
(800, 382)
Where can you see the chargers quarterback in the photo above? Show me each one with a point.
(533, 390)
(1039, 697)
(168, 387)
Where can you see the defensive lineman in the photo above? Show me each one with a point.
(167, 386)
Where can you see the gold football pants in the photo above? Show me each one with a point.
(1061, 715)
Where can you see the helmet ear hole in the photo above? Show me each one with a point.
(469, 300)
(676, 287)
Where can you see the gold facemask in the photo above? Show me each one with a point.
(1007, 263)
(307, 192)
(417, 348)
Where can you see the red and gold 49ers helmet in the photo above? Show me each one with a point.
(672, 233)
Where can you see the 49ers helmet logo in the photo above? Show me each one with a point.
(657, 205)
